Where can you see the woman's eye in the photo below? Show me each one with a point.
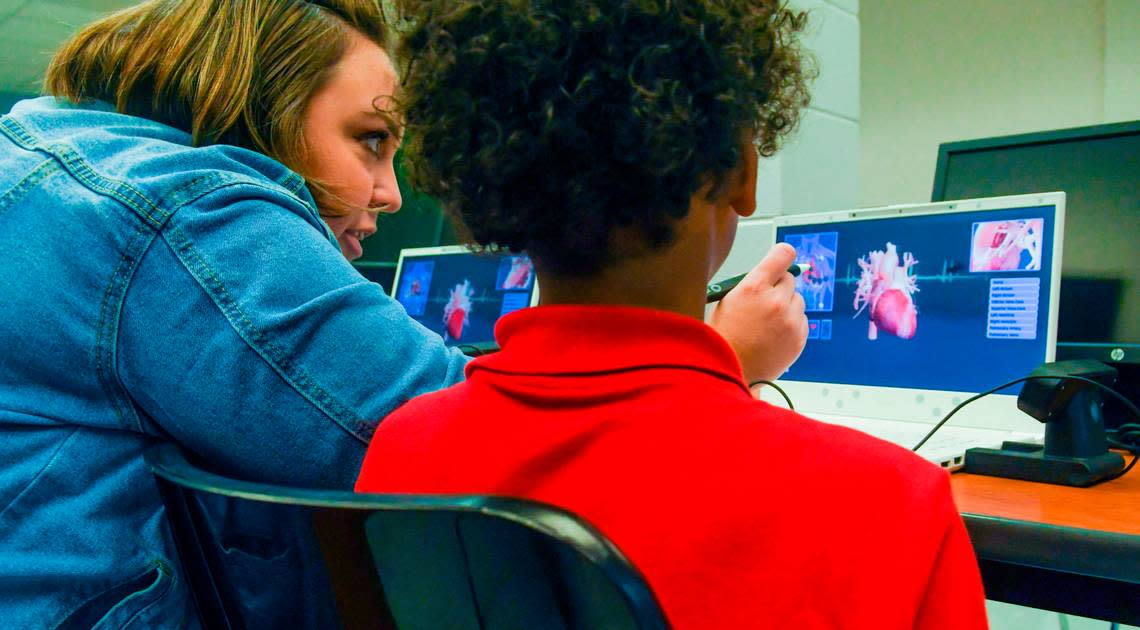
(375, 141)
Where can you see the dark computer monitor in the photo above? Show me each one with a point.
(1098, 168)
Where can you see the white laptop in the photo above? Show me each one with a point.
(461, 294)
(912, 309)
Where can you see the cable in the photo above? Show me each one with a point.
(773, 386)
(1128, 439)
(1129, 435)
(477, 349)
(1135, 456)
(1127, 403)
(1134, 450)
(469, 349)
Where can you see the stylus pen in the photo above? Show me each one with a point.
(717, 290)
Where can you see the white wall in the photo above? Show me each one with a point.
(942, 70)
(1122, 60)
(817, 169)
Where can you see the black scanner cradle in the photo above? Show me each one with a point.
(1075, 452)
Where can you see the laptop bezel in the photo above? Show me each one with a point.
(411, 252)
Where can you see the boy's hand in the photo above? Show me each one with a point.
(763, 317)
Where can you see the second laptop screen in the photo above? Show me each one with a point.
(462, 295)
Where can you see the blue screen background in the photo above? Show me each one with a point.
(438, 274)
(950, 349)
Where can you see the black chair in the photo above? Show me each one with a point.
(411, 561)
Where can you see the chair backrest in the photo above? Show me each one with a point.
(413, 561)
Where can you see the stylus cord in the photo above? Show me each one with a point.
(1133, 448)
(775, 387)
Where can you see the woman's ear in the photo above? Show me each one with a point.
(742, 193)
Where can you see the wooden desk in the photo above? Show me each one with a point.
(1072, 550)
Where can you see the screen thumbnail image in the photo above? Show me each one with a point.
(1011, 245)
(817, 284)
(414, 286)
(515, 272)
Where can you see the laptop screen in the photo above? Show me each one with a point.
(955, 301)
(461, 294)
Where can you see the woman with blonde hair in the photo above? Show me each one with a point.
(171, 222)
(174, 222)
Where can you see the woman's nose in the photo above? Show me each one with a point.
(386, 191)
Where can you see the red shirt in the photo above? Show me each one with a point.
(739, 513)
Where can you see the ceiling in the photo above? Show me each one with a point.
(31, 30)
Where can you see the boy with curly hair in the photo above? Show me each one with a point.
(616, 142)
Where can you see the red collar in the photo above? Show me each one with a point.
(579, 339)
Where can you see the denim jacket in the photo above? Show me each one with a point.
(151, 290)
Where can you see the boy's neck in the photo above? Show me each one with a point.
(641, 282)
(671, 279)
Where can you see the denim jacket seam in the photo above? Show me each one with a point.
(67, 160)
(163, 571)
(32, 482)
(153, 565)
(79, 168)
(17, 133)
(108, 328)
(115, 293)
(289, 184)
(292, 182)
(189, 193)
(42, 171)
(100, 183)
(279, 361)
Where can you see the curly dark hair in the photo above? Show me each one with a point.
(545, 125)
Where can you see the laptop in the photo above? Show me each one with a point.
(460, 294)
(914, 308)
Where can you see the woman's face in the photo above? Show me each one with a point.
(351, 146)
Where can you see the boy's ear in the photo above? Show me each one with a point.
(742, 193)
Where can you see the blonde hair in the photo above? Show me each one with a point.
(237, 72)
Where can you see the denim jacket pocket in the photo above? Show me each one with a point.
(129, 604)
